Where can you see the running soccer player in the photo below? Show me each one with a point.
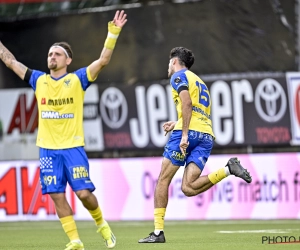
(190, 143)
(60, 97)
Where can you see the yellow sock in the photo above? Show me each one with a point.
(69, 227)
(159, 216)
(217, 176)
(97, 216)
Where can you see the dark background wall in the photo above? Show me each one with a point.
(226, 36)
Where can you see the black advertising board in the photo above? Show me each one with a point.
(245, 111)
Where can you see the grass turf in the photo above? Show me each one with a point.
(206, 235)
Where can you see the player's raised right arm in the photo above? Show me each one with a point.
(10, 61)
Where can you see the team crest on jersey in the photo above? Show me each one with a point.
(67, 83)
(177, 80)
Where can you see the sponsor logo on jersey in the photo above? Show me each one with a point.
(56, 115)
(62, 101)
(199, 110)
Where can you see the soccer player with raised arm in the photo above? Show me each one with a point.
(190, 143)
(60, 97)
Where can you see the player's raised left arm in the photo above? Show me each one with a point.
(11, 62)
(114, 29)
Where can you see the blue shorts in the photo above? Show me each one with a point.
(198, 151)
(62, 166)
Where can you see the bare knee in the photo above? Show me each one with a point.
(62, 206)
(58, 198)
(83, 194)
(188, 191)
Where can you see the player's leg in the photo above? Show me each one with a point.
(192, 182)
(200, 148)
(161, 196)
(53, 182)
(170, 164)
(65, 215)
(90, 202)
(78, 174)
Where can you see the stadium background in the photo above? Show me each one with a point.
(247, 53)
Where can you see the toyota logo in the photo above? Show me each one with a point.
(113, 107)
(270, 100)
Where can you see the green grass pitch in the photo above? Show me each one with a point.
(204, 235)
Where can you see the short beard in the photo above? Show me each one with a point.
(52, 66)
(170, 72)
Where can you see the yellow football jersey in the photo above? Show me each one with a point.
(201, 118)
(60, 108)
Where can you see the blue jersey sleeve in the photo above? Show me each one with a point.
(34, 77)
(179, 79)
(83, 77)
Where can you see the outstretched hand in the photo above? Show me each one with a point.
(120, 19)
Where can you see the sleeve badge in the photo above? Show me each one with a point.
(177, 80)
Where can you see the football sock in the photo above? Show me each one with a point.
(157, 232)
(218, 175)
(97, 216)
(227, 172)
(159, 215)
(70, 228)
(77, 241)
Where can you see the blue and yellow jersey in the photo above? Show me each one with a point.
(60, 108)
(201, 118)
